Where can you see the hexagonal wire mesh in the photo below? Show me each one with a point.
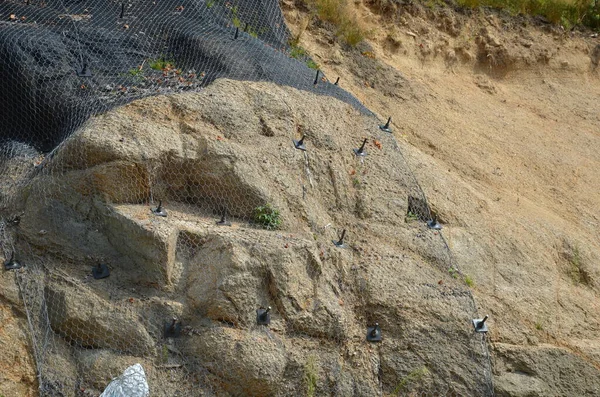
(123, 221)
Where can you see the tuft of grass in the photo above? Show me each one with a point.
(297, 52)
(161, 63)
(453, 272)
(539, 326)
(413, 376)
(469, 281)
(410, 216)
(312, 64)
(311, 376)
(564, 12)
(339, 13)
(267, 216)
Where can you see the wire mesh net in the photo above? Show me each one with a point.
(241, 238)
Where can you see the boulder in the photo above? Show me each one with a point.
(85, 320)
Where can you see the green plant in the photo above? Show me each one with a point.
(565, 12)
(410, 216)
(539, 326)
(413, 376)
(469, 281)
(136, 73)
(297, 52)
(210, 3)
(339, 13)
(356, 182)
(312, 64)
(267, 216)
(453, 272)
(165, 354)
(161, 64)
(311, 376)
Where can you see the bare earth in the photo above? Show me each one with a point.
(501, 123)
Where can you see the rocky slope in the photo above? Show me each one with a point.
(231, 147)
(498, 118)
(502, 117)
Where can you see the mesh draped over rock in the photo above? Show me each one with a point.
(155, 47)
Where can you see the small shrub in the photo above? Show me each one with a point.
(161, 64)
(469, 281)
(135, 72)
(339, 13)
(267, 216)
(453, 272)
(312, 64)
(410, 216)
(297, 52)
(311, 376)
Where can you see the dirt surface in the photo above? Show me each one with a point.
(500, 119)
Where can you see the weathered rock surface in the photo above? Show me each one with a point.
(230, 148)
(88, 321)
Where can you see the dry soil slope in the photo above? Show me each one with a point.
(502, 122)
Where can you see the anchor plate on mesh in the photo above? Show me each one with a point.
(263, 317)
(172, 328)
(12, 264)
(100, 271)
(374, 333)
(479, 325)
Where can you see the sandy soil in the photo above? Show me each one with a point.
(500, 120)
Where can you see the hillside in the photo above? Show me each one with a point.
(501, 123)
(495, 120)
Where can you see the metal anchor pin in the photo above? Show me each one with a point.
(336, 81)
(386, 126)
(237, 33)
(316, 78)
(12, 264)
(361, 150)
(263, 317)
(374, 333)
(122, 10)
(84, 71)
(159, 211)
(479, 325)
(340, 242)
(173, 328)
(224, 221)
(100, 271)
(299, 144)
(434, 224)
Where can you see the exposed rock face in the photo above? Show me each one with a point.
(17, 368)
(89, 322)
(229, 148)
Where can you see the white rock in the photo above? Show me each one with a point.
(131, 384)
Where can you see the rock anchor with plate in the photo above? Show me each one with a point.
(340, 242)
(299, 144)
(263, 317)
(479, 325)
(159, 211)
(100, 271)
(173, 328)
(374, 333)
(361, 152)
(386, 127)
(434, 224)
(12, 263)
